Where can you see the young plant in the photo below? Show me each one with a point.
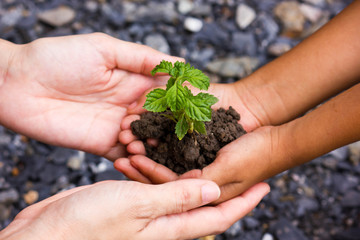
(187, 110)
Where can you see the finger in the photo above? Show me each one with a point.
(152, 142)
(182, 195)
(195, 173)
(231, 190)
(126, 137)
(136, 148)
(123, 165)
(126, 122)
(155, 172)
(137, 58)
(137, 107)
(208, 220)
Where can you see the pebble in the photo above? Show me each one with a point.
(193, 24)
(233, 67)
(278, 48)
(76, 162)
(244, 43)
(245, 15)
(354, 150)
(351, 199)
(31, 197)
(311, 13)
(5, 212)
(267, 236)
(158, 42)
(291, 18)
(185, 6)
(58, 17)
(11, 17)
(9, 196)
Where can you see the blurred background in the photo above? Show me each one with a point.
(228, 39)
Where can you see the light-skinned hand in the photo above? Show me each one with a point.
(130, 210)
(73, 91)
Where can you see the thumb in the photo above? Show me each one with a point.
(137, 106)
(183, 195)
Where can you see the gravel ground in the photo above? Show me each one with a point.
(228, 39)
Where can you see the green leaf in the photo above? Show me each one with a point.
(199, 127)
(176, 97)
(181, 127)
(208, 98)
(196, 78)
(170, 83)
(164, 67)
(156, 100)
(197, 110)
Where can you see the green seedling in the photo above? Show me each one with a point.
(187, 110)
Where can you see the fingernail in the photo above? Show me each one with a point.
(210, 193)
(133, 105)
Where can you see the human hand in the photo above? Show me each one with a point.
(73, 91)
(132, 210)
(141, 169)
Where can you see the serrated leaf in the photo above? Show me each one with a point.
(170, 83)
(181, 127)
(164, 67)
(199, 127)
(197, 110)
(208, 98)
(196, 78)
(176, 97)
(156, 100)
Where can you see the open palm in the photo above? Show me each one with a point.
(73, 91)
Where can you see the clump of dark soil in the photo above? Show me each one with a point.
(194, 151)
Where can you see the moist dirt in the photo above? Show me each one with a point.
(194, 151)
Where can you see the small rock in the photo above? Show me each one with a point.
(245, 15)
(291, 18)
(305, 205)
(158, 42)
(91, 6)
(351, 199)
(251, 223)
(58, 17)
(277, 49)
(244, 43)
(313, 14)
(284, 230)
(319, 3)
(11, 17)
(233, 67)
(267, 236)
(235, 229)
(113, 15)
(193, 24)
(340, 153)
(354, 150)
(5, 212)
(214, 34)
(201, 9)
(75, 162)
(61, 155)
(150, 12)
(185, 6)
(31, 197)
(9, 196)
